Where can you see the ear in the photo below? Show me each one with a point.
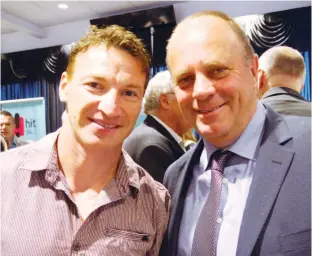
(164, 101)
(261, 80)
(63, 87)
(254, 65)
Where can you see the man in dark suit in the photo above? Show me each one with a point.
(245, 188)
(157, 142)
(281, 78)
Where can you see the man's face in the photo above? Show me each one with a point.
(103, 96)
(214, 85)
(7, 127)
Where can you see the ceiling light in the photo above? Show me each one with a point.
(63, 6)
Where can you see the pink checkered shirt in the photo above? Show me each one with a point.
(39, 216)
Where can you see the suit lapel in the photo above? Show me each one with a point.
(271, 168)
(182, 186)
(151, 122)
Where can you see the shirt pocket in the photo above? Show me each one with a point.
(128, 235)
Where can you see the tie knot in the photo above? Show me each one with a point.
(219, 159)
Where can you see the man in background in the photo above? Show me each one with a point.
(7, 125)
(281, 77)
(157, 142)
(245, 188)
(75, 191)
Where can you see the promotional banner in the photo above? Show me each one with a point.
(140, 119)
(29, 115)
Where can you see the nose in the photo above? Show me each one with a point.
(109, 104)
(203, 87)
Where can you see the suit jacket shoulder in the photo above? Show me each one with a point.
(287, 102)
(153, 147)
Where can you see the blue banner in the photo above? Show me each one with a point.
(29, 115)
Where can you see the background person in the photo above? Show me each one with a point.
(281, 77)
(4, 145)
(189, 139)
(7, 125)
(157, 142)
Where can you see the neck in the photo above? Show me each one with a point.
(288, 82)
(10, 141)
(85, 167)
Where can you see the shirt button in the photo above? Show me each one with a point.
(219, 220)
(76, 247)
(225, 180)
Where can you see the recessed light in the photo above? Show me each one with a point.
(63, 6)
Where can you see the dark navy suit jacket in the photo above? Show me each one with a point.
(151, 146)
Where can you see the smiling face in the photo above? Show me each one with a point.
(103, 96)
(214, 84)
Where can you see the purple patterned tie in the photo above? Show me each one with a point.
(204, 241)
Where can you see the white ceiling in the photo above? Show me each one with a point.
(27, 25)
(33, 16)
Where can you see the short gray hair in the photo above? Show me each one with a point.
(160, 84)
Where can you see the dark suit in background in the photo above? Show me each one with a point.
(277, 216)
(153, 147)
(287, 101)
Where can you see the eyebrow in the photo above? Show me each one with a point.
(181, 74)
(204, 65)
(214, 63)
(100, 78)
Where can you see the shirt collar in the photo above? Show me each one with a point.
(172, 132)
(246, 145)
(42, 155)
(14, 142)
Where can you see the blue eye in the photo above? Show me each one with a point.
(130, 93)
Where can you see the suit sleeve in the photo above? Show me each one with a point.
(155, 160)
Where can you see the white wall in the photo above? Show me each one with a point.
(56, 35)
(70, 32)
(236, 8)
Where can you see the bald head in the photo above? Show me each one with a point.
(191, 21)
(281, 66)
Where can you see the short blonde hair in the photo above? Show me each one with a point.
(115, 36)
(282, 60)
(249, 51)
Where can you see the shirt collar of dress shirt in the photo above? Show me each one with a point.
(246, 145)
(42, 155)
(14, 143)
(172, 132)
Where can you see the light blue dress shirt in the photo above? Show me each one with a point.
(235, 188)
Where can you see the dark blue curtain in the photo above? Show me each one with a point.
(155, 69)
(306, 92)
(39, 88)
(21, 91)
